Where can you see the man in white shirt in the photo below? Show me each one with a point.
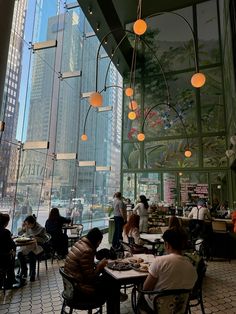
(171, 271)
(200, 212)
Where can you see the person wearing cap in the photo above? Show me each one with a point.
(200, 212)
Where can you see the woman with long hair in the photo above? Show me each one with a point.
(141, 209)
(131, 232)
(131, 229)
(53, 226)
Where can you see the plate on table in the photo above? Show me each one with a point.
(141, 267)
(22, 239)
(119, 265)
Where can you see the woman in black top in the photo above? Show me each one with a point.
(53, 226)
(7, 250)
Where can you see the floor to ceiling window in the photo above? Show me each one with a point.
(51, 71)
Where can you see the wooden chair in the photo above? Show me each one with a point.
(219, 226)
(72, 300)
(221, 241)
(164, 302)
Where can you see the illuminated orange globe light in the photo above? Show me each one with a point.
(188, 153)
(141, 137)
(129, 91)
(132, 115)
(198, 80)
(84, 137)
(95, 99)
(140, 27)
(133, 105)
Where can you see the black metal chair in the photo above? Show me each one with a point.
(195, 297)
(44, 255)
(164, 302)
(71, 297)
(4, 268)
(75, 234)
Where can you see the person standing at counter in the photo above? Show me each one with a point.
(120, 218)
(141, 209)
(200, 212)
(198, 215)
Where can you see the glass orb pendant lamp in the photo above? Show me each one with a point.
(95, 99)
(198, 80)
(84, 137)
(140, 27)
(132, 115)
(129, 91)
(187, 153)
(141, 137)
(133, 105)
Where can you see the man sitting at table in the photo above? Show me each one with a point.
(80, 265)
(171, 271)
(31, 228)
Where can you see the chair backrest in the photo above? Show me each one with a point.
(171, 301)
(219, 226)
(68, 284)
(200, 265)
(78, 230)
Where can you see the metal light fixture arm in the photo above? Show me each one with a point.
(191, 29)
(174, 109)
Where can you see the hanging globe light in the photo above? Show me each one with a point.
(129, 91)
(133, 105)
(95, 99)
(188, 153)
(140, 27)
(132, 115)
(84, 137)
(141, 137)
(198, 80)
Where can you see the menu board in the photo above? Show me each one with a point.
(169, 188)
(193, 191)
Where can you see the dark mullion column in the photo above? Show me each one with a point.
(6, 15)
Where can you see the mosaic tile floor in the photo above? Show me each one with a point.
(44, 295)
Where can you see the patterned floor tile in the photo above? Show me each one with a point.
(44, 295)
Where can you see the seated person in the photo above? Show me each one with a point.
(174, 222)
(132, 234)
(171, 271)
(80, 264)
(30, 228)
(53, 225)
(7, 251)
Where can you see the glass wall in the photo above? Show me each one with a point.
(51, 71)
(173, 115)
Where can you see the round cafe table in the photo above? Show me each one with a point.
(68, 227)
(25, 242)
